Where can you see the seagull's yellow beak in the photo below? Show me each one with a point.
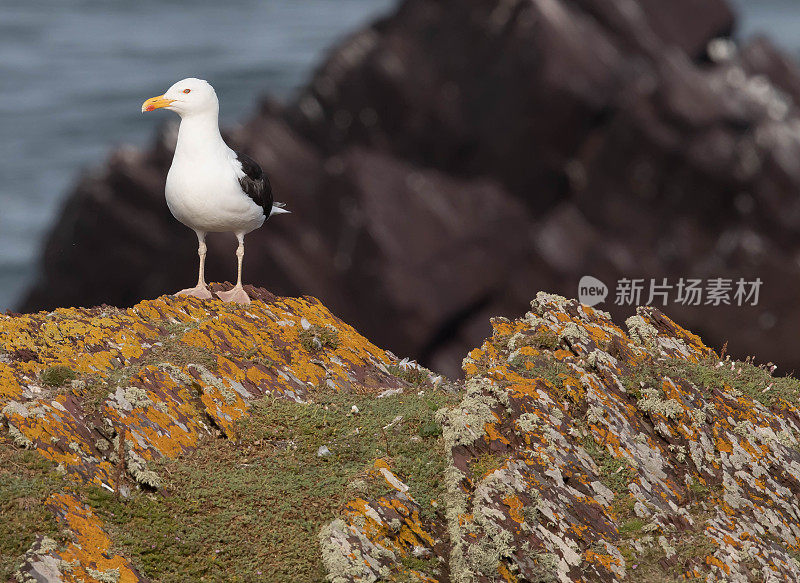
(156, 103)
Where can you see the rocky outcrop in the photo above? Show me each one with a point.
(147, 371)
(453, 144)
(582, 452)
(102, 392)
(199, 440)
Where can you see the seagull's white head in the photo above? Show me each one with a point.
(188, 97)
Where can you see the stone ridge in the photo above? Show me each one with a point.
(575, 450)
(163, 374)
(582, 452)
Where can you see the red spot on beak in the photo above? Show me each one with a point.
(149, 108)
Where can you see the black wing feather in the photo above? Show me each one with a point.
(255, 183)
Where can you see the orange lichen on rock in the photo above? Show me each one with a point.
(90, 553)
(578, 448)
(611, 448)
(84, 387)
(378, 534)
(88, 556)
(167, 370)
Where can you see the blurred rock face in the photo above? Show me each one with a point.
(450, 160)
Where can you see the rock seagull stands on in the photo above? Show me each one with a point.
(210, 188)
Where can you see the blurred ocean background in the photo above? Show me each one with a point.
(74, 75)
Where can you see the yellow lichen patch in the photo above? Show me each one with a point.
(505, 574)
(494, 434)
(402, 533)
(602, 559)
(56, 432)
(573, 389)
(514, 508)
(698, 349)
(502, 327)
(470, 369)
(413, 531)
(723, 445)
(273, 334)
(89, 554)
(223, 404)
(165, 422)
(521, 390)
(389, 522)
(87, 340)
(712, 560)
(562, 354)
(9, 387)
(381, 463)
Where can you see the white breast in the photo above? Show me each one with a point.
(203, 193)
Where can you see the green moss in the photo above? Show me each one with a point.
(233, 508)
(430, 565)
(316, 338)
(631, 528)
(413, 375)
(736, 376)
(57, 376)
(615, 472)
(430, 429)
(698, 490)
(485, 463)
(754, 381)
(26, 481)
(691, 547)
(546, 338)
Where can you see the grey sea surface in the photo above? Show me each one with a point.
(74, 74)
(777, 19)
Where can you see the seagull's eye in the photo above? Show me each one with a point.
(187, 90)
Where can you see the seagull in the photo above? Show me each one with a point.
(211, 188)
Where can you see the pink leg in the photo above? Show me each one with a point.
(200, 290)
(237, 294)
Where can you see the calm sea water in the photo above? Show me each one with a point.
(73, 76)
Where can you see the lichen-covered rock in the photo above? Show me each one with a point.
(165, 371)
(575, 450)
(151, 381)
(374, 535)
(88, 556)
(584, 452)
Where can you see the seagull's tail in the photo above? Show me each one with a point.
(277, 209)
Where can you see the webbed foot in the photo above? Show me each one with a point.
(200, 291)
(237, 294)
